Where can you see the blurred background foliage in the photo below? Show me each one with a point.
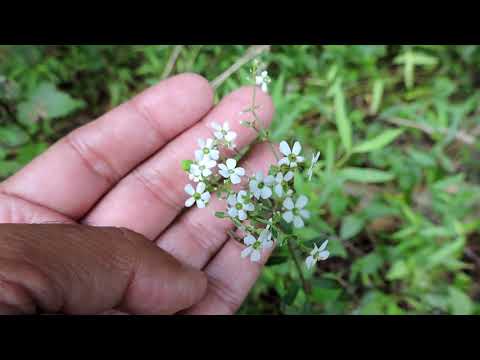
(397, 191)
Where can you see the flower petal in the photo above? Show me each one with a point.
(324, 255)
(232, 212)
(309, 262)
(268, 244)
(224, 173)
(253, 185)
(245, 252)
(288, 176)
(240, 171)
(215, 126)
(255, 256)
(231, 163)
(288, 203)
(305, 214)
(297, 148)
(241, 196)
(242, 215)
(266, 192)
(301, 202)
(230, 136)
(283, 161)
(279, 190)
(231, 200)
(288, 216)
(323, 246)
(249, 207)
(199, 155)
(269, 180)
(200, 204)
(284, 148)
(214, 154)
(205, 197)
(298, 222)
(201, 187)
(249, 239)
(189, 189)
(190, 201)
(235, 179)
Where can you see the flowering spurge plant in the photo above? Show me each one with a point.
(264, 207)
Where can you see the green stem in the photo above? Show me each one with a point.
(262, 130)
(343, 160)
(305, 286)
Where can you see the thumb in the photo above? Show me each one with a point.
(77, 269)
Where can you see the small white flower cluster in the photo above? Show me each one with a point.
(207, 158)
(265, 196)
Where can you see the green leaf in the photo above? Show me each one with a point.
(291, 294)
(378, 142)
(351, 226)
(377, 95)
(186, 165)
(47, 102)
(460, 303)
(27, 152)
(8, 167)
(220, 214)
(446, 252)
(343, 123)
(364, 175)
(330, 155)
(12, 135)
(398, 270)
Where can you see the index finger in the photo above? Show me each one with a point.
(75, 172)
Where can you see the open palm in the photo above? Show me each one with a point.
(123, 170)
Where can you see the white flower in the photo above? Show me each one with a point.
(223, 133)
(200, 196)
(263, 80)
(296, 212)
(230, 171)
(260, 186)
(315, 158)
(207, 150)
(254, 246)
(201, 169)
(239, 205)
(292, 157)
(281, 182)
(317, 254)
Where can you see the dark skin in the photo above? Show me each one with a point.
(96, 224)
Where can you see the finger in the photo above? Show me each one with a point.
(148, 199)
(77, 269)
(18, 211)
(76, 171)
(230, 278)
(198, 234)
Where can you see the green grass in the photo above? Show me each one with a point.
(398, 192)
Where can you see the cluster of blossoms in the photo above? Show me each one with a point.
(260, 205)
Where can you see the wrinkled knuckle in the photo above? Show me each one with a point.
(26, 287)
(227, 296)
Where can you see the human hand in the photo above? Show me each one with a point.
(123, 170)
